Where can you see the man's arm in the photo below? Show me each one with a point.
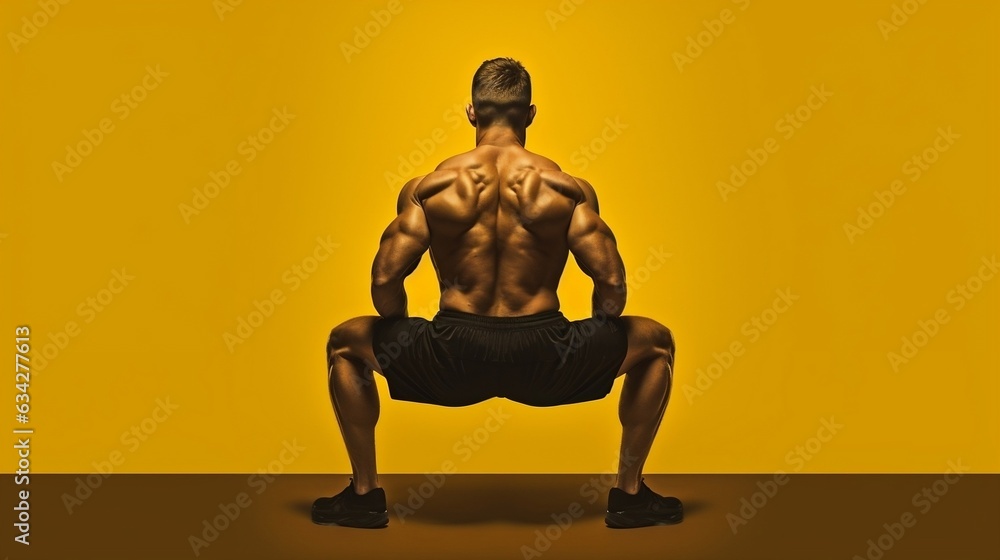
(400, 249)
(593, 246)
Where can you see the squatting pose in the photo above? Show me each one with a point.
(499, 222)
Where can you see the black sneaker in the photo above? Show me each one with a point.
(646, 508)
(348, 509)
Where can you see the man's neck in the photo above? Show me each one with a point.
(500, 135)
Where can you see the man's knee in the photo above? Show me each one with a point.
(352, 340)
(649, 340)
(339, 343)
(336, 339)
(663, 341)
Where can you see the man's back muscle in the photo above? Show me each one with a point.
(498, 220)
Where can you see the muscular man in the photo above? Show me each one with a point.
(499, 222)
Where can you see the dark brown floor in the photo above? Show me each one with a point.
(507, 517)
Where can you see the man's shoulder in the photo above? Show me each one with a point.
(551, 174)
(589, 194)
(576, 188)
(422, 186)
(444, 175)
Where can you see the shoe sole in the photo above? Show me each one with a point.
(367, 520)
(619, 520)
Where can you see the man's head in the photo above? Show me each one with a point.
(501, 95)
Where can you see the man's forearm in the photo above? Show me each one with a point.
(608, 299)
(389, 298)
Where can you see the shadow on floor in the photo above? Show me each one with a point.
(529, 500)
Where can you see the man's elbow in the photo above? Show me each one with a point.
(610, 296)
(382, 280)
(614, 284)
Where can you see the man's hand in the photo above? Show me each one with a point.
(402, 245)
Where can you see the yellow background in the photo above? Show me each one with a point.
(325, 175)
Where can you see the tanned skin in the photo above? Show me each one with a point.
(499, 223)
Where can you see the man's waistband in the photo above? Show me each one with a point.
(452, 317)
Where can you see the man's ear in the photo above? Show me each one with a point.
(531, 114)
(470, 112)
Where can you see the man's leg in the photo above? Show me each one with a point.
(350, 361)
(648, 369)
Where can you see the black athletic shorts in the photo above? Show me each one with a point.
(458, 359)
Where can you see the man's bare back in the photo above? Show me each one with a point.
(499, 222)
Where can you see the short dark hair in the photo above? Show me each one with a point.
(501, 90)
